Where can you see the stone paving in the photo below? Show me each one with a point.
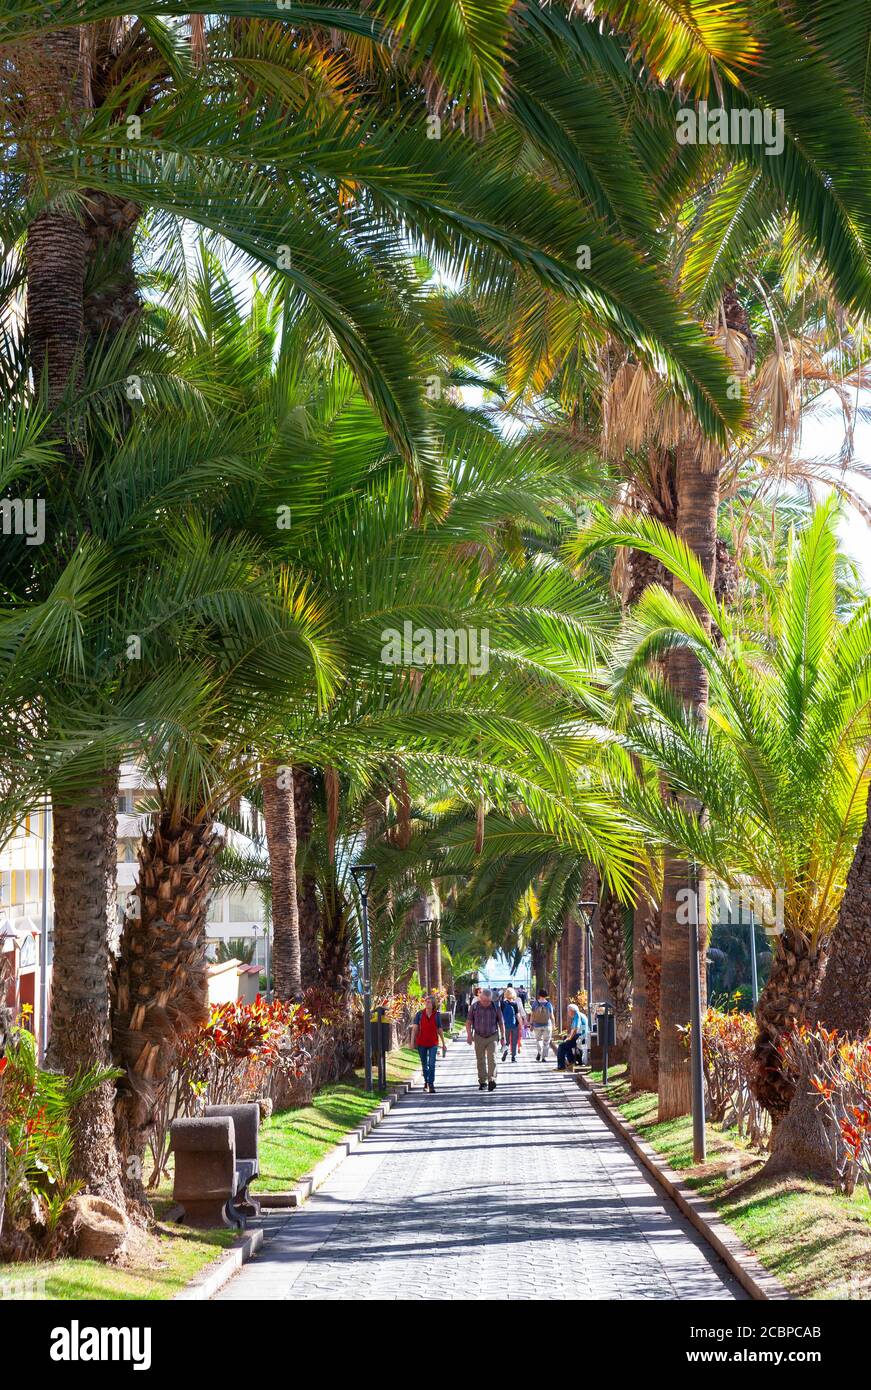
(520, 1194)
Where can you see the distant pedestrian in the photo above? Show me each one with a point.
(512, 1018)
(577, 1025)
(426, 1038)
(542, 1025)
(523, 996)
(484, 1026)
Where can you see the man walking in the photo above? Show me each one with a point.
(485, 1026)
(542, 1025)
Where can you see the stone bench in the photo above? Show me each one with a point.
(217, 1156)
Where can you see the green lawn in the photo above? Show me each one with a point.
(291, 1142)
(816, 1241)
(167, 1261)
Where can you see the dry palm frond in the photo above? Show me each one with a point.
(199, 47)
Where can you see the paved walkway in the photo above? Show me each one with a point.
(522, 1193)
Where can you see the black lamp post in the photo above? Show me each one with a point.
(363, 875)
(587, 910)
(696, 1058)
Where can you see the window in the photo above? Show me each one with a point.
(246, 907)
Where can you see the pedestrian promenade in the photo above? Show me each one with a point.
(520, 1194)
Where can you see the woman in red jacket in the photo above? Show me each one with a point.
(426, 1038)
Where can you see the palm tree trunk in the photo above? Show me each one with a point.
(573, 943)
(5, 1027)
(335, 944)
(435, 956)
(653, 982)
(697, 502)
(280, 819)
(56, 244)
(614, 965)
(844, 1004)
(539, 964)
(306, 892)
(788, 998)
(641, 1074)
(84, 867)
(160, 981)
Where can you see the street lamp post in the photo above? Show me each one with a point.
(696, 1058)
(362, 875)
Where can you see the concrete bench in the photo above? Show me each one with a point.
(217, 1156)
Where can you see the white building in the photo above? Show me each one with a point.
(25, 869)
(232, 914)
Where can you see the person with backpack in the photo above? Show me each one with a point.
(512, 1017)
(542, 1025)
(484, 1025)
(426, 1037)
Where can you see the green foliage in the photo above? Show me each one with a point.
(36, 1127)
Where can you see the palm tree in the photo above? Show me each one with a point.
(781, 770)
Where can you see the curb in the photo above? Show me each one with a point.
(751, 1274)
(205, 1285)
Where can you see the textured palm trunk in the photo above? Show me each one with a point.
(653, 982)
(160, 986)
(573, 949)
(641, 1074)
(539, 964)
(697, 502)
(306, 891)
(5, 1027)
(550, 967)
(84, 867)
(844, 1004)
(280, 820)
(335, 943)
(614, 965)
(56, 243)
(435, 956)
(789, 997)
(563, 958)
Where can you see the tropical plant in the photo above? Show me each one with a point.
(36, 1128)
(780, 773)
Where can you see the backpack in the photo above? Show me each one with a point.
(541, 1013)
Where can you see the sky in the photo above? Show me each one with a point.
(822, 437)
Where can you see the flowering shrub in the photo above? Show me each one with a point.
(35, 1124)
(728, 1038)
(242, 1052)
(839, 1071)
(335, 1046)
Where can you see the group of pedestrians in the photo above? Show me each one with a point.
(499, 1020)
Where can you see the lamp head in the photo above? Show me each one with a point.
(363, 875)
(587, 909)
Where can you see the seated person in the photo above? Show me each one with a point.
(568, 1048)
